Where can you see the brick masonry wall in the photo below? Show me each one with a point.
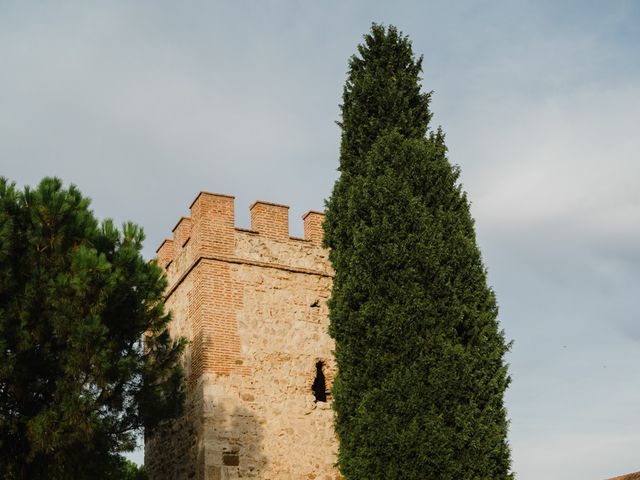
(253, 305)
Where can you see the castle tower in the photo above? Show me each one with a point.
(259, 363)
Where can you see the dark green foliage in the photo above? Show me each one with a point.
(130, 471)
(382, 93)
(76, 382)
(421, 372)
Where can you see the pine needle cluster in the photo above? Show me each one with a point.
(86, 361)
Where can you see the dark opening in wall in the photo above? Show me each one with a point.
(230, 459)
(319, 386)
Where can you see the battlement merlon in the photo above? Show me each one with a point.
(165, 253)
(313, 230)
(181, 233)
(270, 219)
(210, 232)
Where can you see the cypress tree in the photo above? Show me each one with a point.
(420, 355)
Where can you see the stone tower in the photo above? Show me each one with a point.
(259, 363)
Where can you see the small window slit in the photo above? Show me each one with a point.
(319, 386)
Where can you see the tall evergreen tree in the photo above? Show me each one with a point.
(77, 382)
(420, 355)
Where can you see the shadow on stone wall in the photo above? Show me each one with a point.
(170, 453)
(235, 447)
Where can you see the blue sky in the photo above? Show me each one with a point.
(143, 104)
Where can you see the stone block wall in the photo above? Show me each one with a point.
(259, 365)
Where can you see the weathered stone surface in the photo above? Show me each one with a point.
(253, 305)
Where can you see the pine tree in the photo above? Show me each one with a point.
(421, 370)
(77, 381)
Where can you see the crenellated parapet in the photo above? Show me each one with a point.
(210, 231)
